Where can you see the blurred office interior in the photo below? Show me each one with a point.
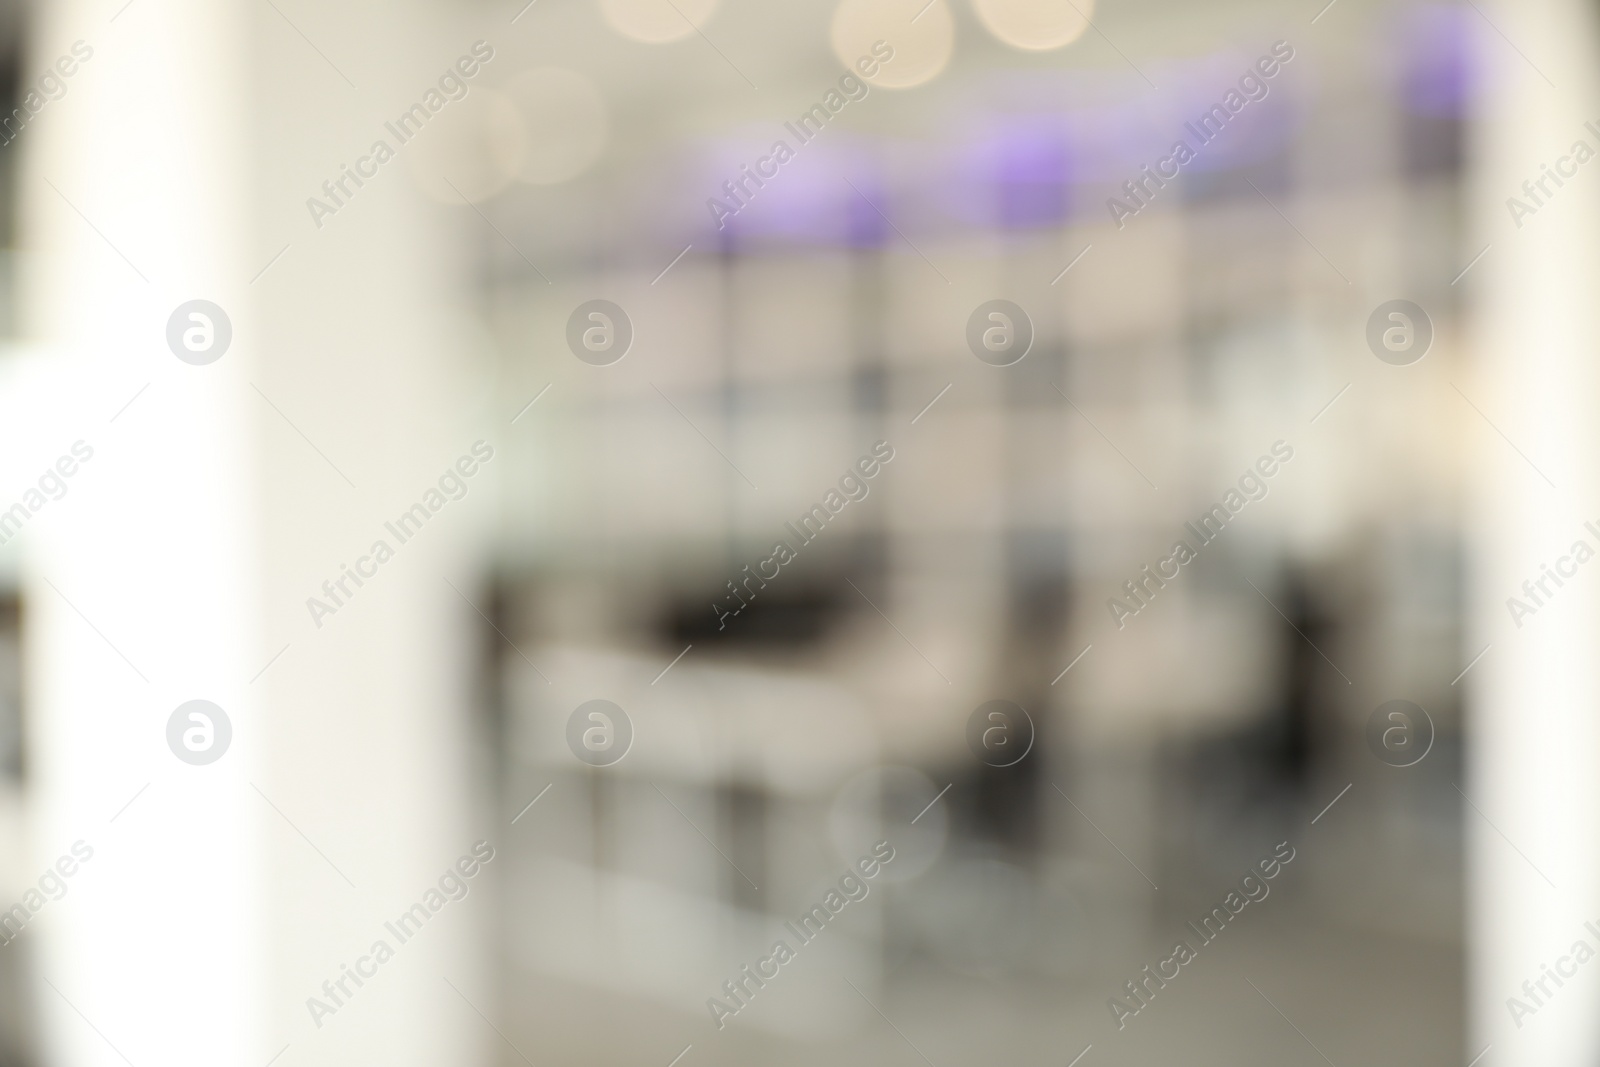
(601, 552)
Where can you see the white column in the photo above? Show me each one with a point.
(1534, 700)
(140, 582)
(217, 502)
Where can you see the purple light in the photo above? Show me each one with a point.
(1437, 60)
